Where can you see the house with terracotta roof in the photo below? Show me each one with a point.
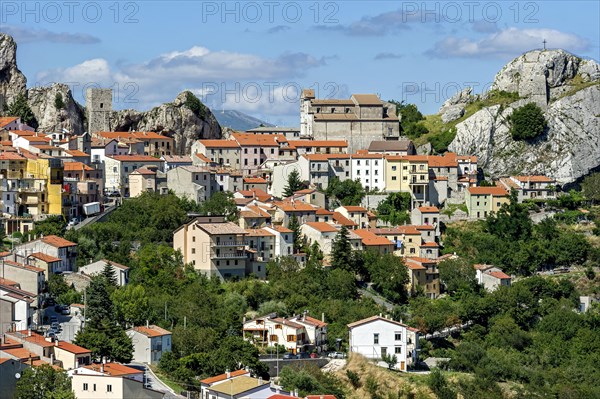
(377, 337)
(431, 284)
(150, 342)
(53, 246)
(530, 187)
(174, 161)
(425, 215)
(253, 216)
(225, 153)
(482, 201)
(356, 214)
(10, 370)
(429, 250)
(310, 196)
(142, 180)
(261, 249)
(241, 387)
(213, 246)
(102, 147)
(284, 240)
(120, 272)
(255, 183)
(392, 147)
(271, 330)
(406, 239)
(316, 330)
(29, 277)
(16, 308)
(374, 242)
(319, 146)
(14, 123)
(154, 144)
(70, 355)
(257, 149)
(206, 383)
(285, 210)
(118, 167)
(82, 184)
(491, 277)
(110, 380)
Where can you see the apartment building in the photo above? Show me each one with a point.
(118, 167)
(357, 214)
(271, 330)
(82, 184)
(150, 343)
(392, 147)
(225, 153)
(54, 246)
(154, 144)
(369, 169)
(193, 182)
(304, 147)
(529, 187)
(213, 246)
(431, 286)
(482, 201)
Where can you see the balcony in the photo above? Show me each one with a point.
(231, 244)
(229, 255)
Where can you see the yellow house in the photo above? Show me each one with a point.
(408, 173)
(481, 201)
(406, 239)
(51, 171)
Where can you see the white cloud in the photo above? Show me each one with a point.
(210, 74)
(507, 42)
(29, 35)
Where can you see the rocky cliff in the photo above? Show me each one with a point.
(12, 81)
(173, 119)
(567, 88)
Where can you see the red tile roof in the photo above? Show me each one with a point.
(318, 143)
(223, 377)
(371, 239)
(114, 369)
(219, 143)
(495, 191)
(255, 180)
(499, 275)
(296, 206)
(134, 158)
(325, 157)
(69, 347)
(76, 167)
(152, 331)
(355, 208)
(375, 318)
(322, 227)
(428, 209)
(6, 120)
(262, 140)
(534, 179)
(343, 220)
(44, 257)
(57, 241)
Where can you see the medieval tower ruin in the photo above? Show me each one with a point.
(98, 104)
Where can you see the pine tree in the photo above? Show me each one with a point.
(294, 225)
(109, 276)
(341, 252)
(293, 184)
(44, 382)
(19, 107)
(99, 307)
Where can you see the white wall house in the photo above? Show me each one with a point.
(121, 272)
(369, 169)
(150, 342)
(376, 337)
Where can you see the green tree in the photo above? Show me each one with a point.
(511, 222)
(457, 275)
(44, 382)
(389, 276)
(109, 277)
(293, 184)
(220, 203)
(59, 102)
(19, 107)
(341, 251)
(131, 305)
(195, 105)
(347, 192)
(439, 385)
(527, 122)
(294, 225)
(410, 119)
(591, 187)
(394, 209)
(52, 225)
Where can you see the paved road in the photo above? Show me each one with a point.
(378, 299)
(109, 207)
(153, 382)
(70, 324)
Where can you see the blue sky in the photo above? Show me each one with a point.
(255, 56)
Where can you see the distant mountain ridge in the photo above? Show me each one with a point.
(237, 120)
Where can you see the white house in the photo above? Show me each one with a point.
(284, 240)
(491, 277)
(271, 330)
(149, 343)
(102, 386)
(369, 169)
(376, 337)
(121, 272)
(15, 308)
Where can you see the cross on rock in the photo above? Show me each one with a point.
(544, 44)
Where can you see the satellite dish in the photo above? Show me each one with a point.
(18, 375)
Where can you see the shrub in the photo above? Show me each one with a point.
(354, 378)
(58, 101)
(527, 122)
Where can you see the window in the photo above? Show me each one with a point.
(193, 239)
(383, 351)
(85, 386)
(376, 339)
(394, 178)
(193, 250)
(398, 336)
(398, 350)
(94, 387)
(394, 168)
(109, 388)
(291, 338)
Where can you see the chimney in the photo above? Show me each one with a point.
(380, 314)
(228, 374)
(147, 324)
(103, 359)
(29, 332)
(323, 317)
(52, 359)
(102, 367)
(30, 360)
(260, 381)
(56, 342)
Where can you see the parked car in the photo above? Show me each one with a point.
(50, 302)
(336, 355)
(303, 355)
(289, 355)
(53, 319)
(314, 356)
(57, 308)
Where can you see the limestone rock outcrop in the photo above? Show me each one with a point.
(12, 80)
(42, 101)
(568, 90)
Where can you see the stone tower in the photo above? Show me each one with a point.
(98, 104)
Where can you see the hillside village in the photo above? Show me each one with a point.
(240, 267)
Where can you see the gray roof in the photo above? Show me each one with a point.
(390, 145)
(221, 228)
